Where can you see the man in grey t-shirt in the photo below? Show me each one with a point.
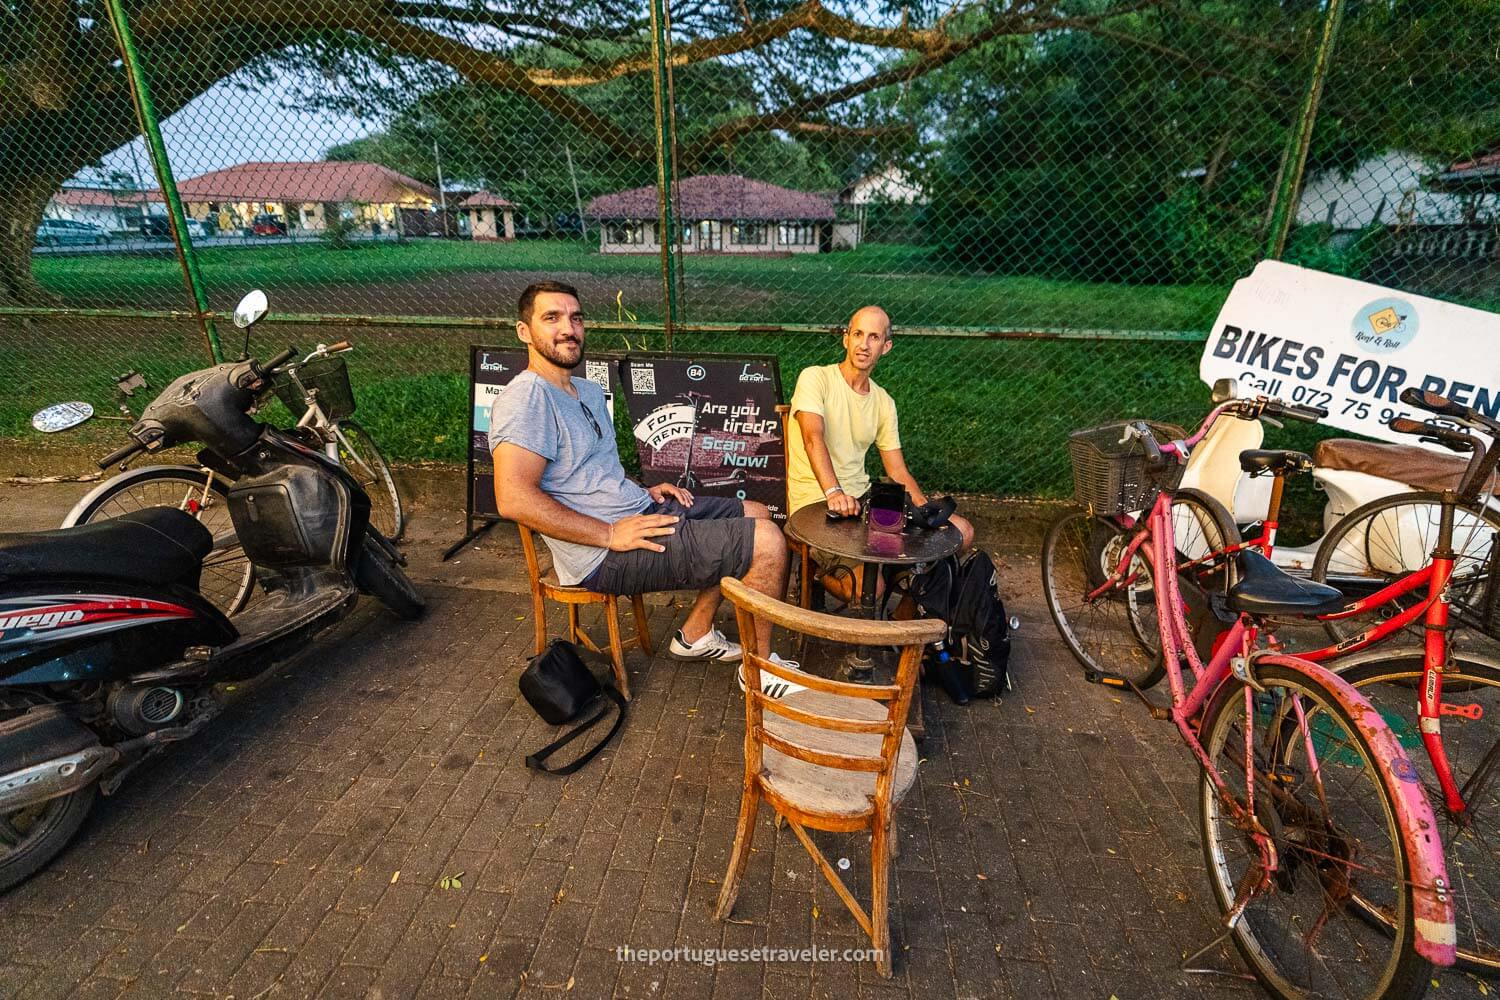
(557, 471)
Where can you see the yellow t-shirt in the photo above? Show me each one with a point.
(851, 423)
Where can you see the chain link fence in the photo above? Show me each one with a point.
(1050, 199)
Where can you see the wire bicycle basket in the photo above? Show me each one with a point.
(1113, 478)
(329, 376)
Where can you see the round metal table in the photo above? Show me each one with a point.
(852, 539)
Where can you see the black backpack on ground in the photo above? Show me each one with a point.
(971, 661)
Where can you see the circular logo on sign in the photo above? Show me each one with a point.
(697, 373)
(1385, 325)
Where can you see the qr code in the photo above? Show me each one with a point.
(643, 381)
(598, 373)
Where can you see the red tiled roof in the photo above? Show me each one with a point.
(716, 196)
(486, 199)
(1490, 159)
(324, 181)
(79, 197)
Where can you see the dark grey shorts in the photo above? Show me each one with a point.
(713, 540)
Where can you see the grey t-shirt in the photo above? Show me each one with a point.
(583, 469)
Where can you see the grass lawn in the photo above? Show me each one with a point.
(977, 415)
(427, 277)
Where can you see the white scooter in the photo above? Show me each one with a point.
(1350, 472)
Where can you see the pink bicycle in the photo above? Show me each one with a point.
(1319, 841)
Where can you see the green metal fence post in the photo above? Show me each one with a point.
(1290, 188)
(666, 145)
(145, 112)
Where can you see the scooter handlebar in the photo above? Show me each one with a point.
(121, 454)
(280, 359)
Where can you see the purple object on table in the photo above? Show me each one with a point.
(890, 521)
(882, 542)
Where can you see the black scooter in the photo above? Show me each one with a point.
(107, 650)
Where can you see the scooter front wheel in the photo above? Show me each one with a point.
(33, 836)
(378, 575)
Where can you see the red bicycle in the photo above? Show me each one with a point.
(1316, 839)
(1370, 553)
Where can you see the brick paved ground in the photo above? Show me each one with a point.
(296, 848)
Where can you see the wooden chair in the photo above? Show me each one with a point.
(799, 550)
(544, 586)
(835, 757)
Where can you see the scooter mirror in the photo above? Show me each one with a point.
(1225, 389)
(61, 416)
(251, 308)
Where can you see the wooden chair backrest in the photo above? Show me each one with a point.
(788, 428)
(752, 607)
(534, 568)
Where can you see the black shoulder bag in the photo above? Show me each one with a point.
(561, 687)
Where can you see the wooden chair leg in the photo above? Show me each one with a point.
(880, 919)
(642, 631)
(539, 619)
(744, 835)
(616, 647)
(804, 578)
(574, 632)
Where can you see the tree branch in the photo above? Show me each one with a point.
(1004, 25)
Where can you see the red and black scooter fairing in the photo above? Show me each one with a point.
(104, 601)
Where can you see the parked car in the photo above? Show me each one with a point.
(268, 225)
(156, 227)
(66, 232)
(159, 227)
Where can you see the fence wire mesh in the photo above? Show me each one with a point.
(1092, 174)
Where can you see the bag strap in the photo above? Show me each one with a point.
(537, 761)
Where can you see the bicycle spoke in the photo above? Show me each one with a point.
(1337, 853)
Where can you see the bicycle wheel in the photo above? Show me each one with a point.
(1107, 634)
(366, 464)
(1339, 852)
(1385, 539)
(228, 578)
(1472, 840)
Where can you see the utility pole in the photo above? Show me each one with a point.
(666, 155)
(145, 113)
(442, 198)
(1294, 159)
(576, 200)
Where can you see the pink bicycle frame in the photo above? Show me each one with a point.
(1433, 919)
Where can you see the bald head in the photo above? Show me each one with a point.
(868, 339)
(870, 318)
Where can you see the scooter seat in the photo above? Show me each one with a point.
(1263, 589)
(1419, 468)
(155, 546)
(1287, 463)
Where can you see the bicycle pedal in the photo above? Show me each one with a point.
(1107, 679)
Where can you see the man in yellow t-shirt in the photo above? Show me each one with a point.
(838, 412)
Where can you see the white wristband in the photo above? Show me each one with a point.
(831, 491)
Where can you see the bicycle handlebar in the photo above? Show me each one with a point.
(1450, 439)
(1295, 411)
(121, 454)
(1443, 406)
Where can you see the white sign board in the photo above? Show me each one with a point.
(1350, 347)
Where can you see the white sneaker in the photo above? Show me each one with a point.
(772, 686)
(711, 645)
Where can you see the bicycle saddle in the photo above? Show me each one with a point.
(1265, 590)
(1257, 461)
